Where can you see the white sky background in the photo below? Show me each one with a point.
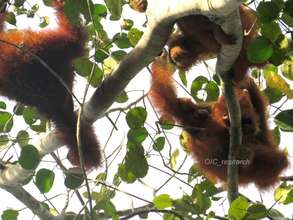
(103, 127)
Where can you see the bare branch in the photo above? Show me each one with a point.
(235, 138)
(34, 205)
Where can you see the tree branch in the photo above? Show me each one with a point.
(27, 199)
(225, 61)
(235, 138)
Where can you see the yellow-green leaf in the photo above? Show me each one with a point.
(174, 158)
(162, 201)
(274, 80)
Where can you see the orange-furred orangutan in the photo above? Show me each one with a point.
(24, 79)
(259, 158)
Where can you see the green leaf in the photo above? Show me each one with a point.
(101, 177)
(184, 141)
(72, 12)
(137, 135)
(238, 208)
(260, 50)
(203, 202)
(285, 120)
(30, 115)
(281, 194)
(279, 3)
(289, 7)
(44, 22)
(40, 127)
(9, 214)
(18, 3)
(281, 48)
(159, 144)
(267, 12)
(10, 18)
(277, 135)
(29, 157)
(107, 206)
(217, 79)
(96, 78)
(162, 201)
(47, 2)
(174, 158)
(122, 41)
(287, 69)
(105, 194)
(166, 123)
(2, 105)
(125, 174)
(201, 83)
(211, 215)
(208, 188)
(74, 178)
(182, 75)
(192, 174)
(83, 66)
(127, 24)
(186, 205)
(115, 8)
(136, 117)
(256, 211)
(18, 109)
(289, 198)
(100, 10)
(103, 35)
(271, 31)
(134, 36)
(274, 95)
(169, 216)
(198, 83)
(136, 162)
(101, 55)
(118, 55)
(122, 98)
(274, 80)
(110, 210)
(32, 12)
(109, 65)
(44, 180)
(213, 91)
(116, 180)
(6, 121)
(4, 140)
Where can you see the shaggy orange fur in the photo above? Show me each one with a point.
(208, 129)
(26, 80)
